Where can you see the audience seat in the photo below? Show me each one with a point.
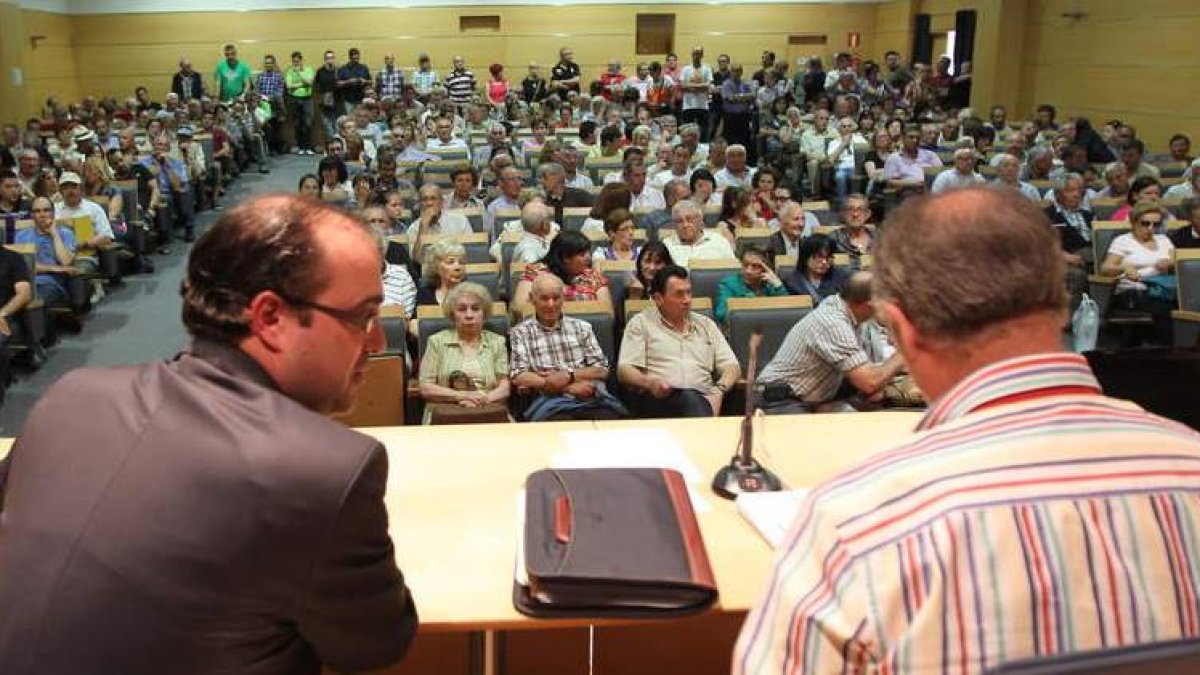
(1187, 317)
(600, 315)
(712, 214)
(775, 316)
(598, 166)
(379, 401)
(1103, 233)
(843, 262)
(573, 217)
(784, 264)
(827, 230)
(486, 275)
(430, 320)
(1103, 208)
(395, 329)
(706, 273)
(473, 215)
(825, 217)
(618, 273)
(759, 236)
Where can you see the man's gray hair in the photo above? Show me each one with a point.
(551, 168)
(671, 188)
(735, 149)
(689, 128)
(534, 215)
(686, 207)
(1039, 151)
(1066, 178)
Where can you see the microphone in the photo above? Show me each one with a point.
(744, 473)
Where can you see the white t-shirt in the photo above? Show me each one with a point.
(1133, 252)
(697, 100)
(88, 208)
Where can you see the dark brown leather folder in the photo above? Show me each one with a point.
(612, 543)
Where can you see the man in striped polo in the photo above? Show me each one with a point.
(460, 84)
(1029, 516)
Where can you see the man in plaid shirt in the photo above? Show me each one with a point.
(389, 81)
(557, 360)
(271, 87)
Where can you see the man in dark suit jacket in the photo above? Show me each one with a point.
(202, 515)
(186, 84)
(558, 195)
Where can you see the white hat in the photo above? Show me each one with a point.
(69, 177)
(83, 134)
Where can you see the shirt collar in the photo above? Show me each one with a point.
(1013, 379)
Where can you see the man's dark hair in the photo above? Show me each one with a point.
(264, 244)
(459, 170)
(658, 285)
(608, 135)
(1046, 107)
(890, 52)
(1137, 144)
(632, 152)
(699, 175)
(587, 128)
(297, 55)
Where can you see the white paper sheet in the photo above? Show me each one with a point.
(771, 513)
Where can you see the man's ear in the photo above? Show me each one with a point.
(267, 320)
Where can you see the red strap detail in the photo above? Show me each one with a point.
(562, 520)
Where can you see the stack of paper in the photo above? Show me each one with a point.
(771, 513)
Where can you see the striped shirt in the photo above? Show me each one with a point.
(571, 346)
(460, 86)
(399, 289)
(1029, 516)
(817, 353)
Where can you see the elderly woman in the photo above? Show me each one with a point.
(1145, 189)
(398, 287)
(757, 279)
(612, 196)
(1144, 262)
(444, 267)
(1117, 178)
(465, 365)
(570, 259)
(815, 275)
(619, 227)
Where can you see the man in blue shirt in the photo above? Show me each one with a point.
(352, 79)
(172, 177)
(55, 253)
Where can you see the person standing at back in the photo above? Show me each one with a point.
(204, 515)
(1029, 516)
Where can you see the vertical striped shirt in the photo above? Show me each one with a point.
(817, 353)
(1029, 516)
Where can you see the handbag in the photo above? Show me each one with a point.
(1161, 287)
(452, 413)
(611, 543)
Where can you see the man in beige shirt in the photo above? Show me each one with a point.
(674, 362)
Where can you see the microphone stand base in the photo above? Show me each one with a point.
(738, 477)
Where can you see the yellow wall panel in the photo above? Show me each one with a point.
(49, 68)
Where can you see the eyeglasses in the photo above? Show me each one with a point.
(41, 210)
(1149, 223)
(363, 323)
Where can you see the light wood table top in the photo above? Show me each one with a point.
(452, 502)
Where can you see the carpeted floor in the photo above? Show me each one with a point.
(139, 321)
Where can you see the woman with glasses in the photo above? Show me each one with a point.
(619, 227)
(1144, 265)
(815, 275)
(465, 365)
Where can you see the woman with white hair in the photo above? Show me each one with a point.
(465, 365)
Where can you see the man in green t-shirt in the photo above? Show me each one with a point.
(299, 80)
(233, 76)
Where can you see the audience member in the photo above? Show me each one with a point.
(691, 240)
(673, 361)
(815, 274)
(570, 259)
(620, 228)
(738, 213)
(1008, 403)
(433, 222)
(653, 257)
(905, 169)
(795, 224)
(233, 77)
(1188, 236)
(1144, 262)
(1143, 190)
(757, 279)
(856, 235)
(962, 174)
(465, 364)
(557, 360)
(538, 231)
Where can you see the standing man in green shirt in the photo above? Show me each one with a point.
(233, 76)
(299, 79)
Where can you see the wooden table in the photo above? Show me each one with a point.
(452, 502)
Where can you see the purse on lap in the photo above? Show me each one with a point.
(452, 413)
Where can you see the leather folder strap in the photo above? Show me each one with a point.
(562, 519)
(693, 542)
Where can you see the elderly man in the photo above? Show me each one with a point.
(1072, 221)
(856, 236)
(538, 230)
(282, 563)
(557, 360)
(680, 167)
(814, 141)
(1008, 174)
(74, 205)
(675, 362)
(1021, 468)
(735, 173)
(795, 225)
(187, 84)
(433, 222)
(556, 193)
(509, 182)
(171, 175)
(673, 192)
(961, 175)
(905, 168)
(691, 239)
(29, 167)
(444, 140)
(823, 353)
